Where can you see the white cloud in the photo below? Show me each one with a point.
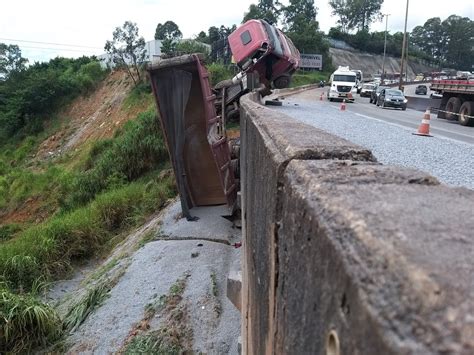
(91, 23)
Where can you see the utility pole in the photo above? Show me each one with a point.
(384, 47)
(400, 86)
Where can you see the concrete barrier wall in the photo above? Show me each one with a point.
(422, 103)
(342, 255)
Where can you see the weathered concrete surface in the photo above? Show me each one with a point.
(422, 103)
(234, 289)
(383, 256)
(336, 242)
(268, 144)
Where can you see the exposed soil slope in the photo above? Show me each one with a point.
(91, 117)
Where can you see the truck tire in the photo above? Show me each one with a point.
(467, 109)
(282, 82)
(452, 107)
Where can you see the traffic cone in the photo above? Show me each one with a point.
(321, 97)
(424, 129)
(343, 105)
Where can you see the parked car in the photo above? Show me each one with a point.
(366, 90)
(392, 98)
(375, 94)
(421, 90)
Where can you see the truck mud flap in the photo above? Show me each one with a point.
(194, 133)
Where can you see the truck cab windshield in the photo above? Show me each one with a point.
(346, 78)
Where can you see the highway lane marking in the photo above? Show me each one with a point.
(399, 125)
(409, 129)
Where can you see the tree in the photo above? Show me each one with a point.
(169, 34)
(364, 12)
(202, 37)
(459, 38)
(168, 30)
(341, 8)
(127, 49)
(268, 10)
(300, 15)
(356, 13)
(430, 38)
(191, 46)
(10, 60)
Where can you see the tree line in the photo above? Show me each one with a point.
(27, 92)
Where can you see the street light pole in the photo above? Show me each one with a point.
(400, 86)
(384, 47)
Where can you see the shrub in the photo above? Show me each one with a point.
(138, 148)
(48, 249)
(219, 72)
(25, 323)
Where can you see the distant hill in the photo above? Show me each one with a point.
(372, 63)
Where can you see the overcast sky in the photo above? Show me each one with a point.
(88, 24)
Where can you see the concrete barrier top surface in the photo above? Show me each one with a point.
(333, 230)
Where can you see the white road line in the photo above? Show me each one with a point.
(383, 121)
(410, 129)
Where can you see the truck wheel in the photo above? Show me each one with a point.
(467, 109)
(452, 107)
(282, 82)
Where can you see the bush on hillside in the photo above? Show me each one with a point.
(25, 323)
(219, 72)
(28, 97)
(137, 149)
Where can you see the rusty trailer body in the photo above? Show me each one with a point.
(195, 135)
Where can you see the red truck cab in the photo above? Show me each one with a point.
(257, 45)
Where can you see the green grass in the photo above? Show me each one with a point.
(49, 249)
(8, 231)
(140, 97)
(308, 77)
(219, 72)
(26, 323)
(90, 199)
(80, 310)
(174, 335)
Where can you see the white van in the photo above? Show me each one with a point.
(342, 84)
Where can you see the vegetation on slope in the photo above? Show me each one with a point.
(93, 195)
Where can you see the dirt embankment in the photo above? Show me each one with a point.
(372, 63)
(91, 117)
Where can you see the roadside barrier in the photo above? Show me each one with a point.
(452, 113)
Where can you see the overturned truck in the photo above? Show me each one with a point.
(193, 115)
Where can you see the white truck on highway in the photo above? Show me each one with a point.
(343, 84)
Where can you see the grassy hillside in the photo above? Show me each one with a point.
(74, 202)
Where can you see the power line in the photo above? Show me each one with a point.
(50, 43)
(56, 49)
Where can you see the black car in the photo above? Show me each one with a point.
(392, 98)
(421, 90)
(375, 94)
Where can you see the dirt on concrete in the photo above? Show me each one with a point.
(146, 267)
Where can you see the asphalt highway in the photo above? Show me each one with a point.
(408, 119)
(448, 154)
